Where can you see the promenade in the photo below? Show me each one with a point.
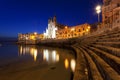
(98, 56)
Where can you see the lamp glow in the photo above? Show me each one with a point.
(98, 10)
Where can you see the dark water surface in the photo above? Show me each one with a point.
(30, 62)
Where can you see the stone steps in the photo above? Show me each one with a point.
(111, 44)
(114, 32)
(111, 50)
(112, 60)
(115, 39)
(107, 72)
(102, 55)
(80, 71)
(94, 73)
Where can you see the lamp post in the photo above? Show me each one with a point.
(98, 10)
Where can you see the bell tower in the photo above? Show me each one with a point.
(54, 20)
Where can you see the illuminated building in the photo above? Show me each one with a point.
(29, 38)
(74, 31)
(58, 31)
(53, 26)
(111, 13)
(51, 30)
(55, 31)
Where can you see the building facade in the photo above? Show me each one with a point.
(29, 38)
(52, 28)
(74, 31)
(111, 13)
(55, 31)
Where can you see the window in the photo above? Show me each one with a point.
(118, 21)
(118, 5)
(83, 29)
(105, 16)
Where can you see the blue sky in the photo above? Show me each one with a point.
(22, 16)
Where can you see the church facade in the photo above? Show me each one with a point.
(52, 28)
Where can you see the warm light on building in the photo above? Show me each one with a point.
(87, 30)
(72, 29)
(66, 27)
(55, 32)
(88, 27)
(75, 31)
(32, 37)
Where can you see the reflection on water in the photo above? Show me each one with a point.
(28, 50)
(66, 63)
(50, 56)
(73, 64)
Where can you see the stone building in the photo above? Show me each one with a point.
(29, 38)
(55, 31)
(74, 31)
(111, 13)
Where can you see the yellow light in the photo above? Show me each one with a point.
(32, 37)
(34, 52)
(66, 62)
(66, 27)
(35, 55)
(72, 29)
(88, 27)
(21, 49)
(87, 30)
(57, 57)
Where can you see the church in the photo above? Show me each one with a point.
(53, 26)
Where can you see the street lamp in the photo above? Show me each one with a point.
(98, 10)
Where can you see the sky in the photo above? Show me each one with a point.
(24, 16)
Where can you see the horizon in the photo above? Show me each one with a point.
(22, 16)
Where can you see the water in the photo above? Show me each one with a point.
(18, 62)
